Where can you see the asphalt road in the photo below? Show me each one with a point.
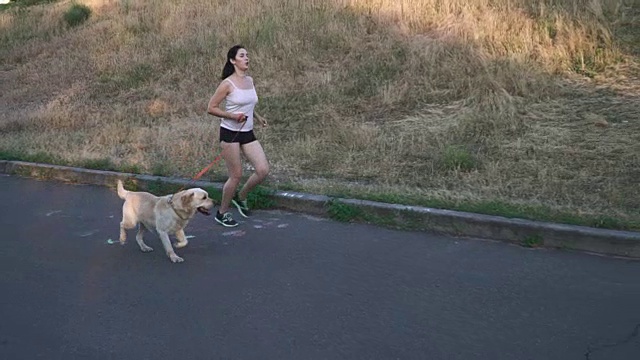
(290, 286)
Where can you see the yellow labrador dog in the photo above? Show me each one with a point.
(166, 215)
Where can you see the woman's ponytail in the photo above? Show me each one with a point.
(228, 68)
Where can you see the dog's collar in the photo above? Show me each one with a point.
(170, 201)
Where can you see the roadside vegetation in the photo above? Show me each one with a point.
(521, 108)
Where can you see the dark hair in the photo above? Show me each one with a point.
(228, 68)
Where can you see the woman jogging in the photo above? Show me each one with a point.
(236, 133)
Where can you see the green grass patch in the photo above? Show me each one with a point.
(133, 78)
(504, 209)
(160, 169)
(457, 158)
(403, 220)
(131, 169)
(161, 188)
(39, 157)
(533, 241)
(131, 184)
(261, 198)
(99, 164)
(371, 74)
(344, 212)
(138, 75)
(295, 106)
(11, 155)
(214, 194)
(77, 14)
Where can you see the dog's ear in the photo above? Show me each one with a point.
(186, 200)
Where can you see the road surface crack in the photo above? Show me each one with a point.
(630, 337)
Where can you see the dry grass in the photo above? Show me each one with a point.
(532, 103)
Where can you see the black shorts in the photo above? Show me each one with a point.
(242, 137)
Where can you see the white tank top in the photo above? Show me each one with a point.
(240, 101)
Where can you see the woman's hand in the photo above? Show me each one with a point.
(262, 120)
(241, 117)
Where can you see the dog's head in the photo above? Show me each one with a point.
(193, 200)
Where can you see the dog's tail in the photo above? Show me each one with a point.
(122, 193)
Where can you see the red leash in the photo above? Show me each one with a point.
(207, 168)
(215, 160)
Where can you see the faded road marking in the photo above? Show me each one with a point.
(89, 233)
(235, 233)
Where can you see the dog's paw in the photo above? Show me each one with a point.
(179, 245)
(145, 248)
(175, 258)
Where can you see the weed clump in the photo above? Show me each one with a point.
(77, 14)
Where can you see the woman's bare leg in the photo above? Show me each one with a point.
(255, 154)
(231, 156)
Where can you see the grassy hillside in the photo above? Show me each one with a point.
(515, 107)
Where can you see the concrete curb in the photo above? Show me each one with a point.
(518, 231)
